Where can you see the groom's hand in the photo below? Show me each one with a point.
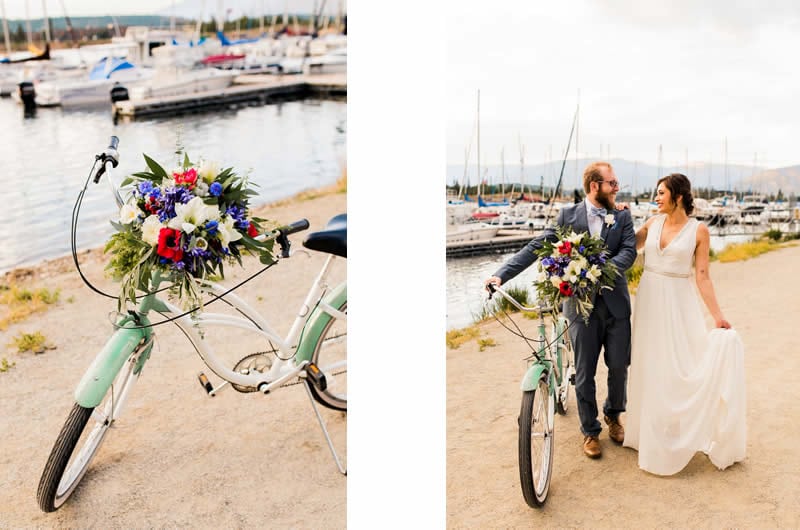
(493, 280)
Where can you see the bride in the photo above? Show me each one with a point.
(686, 389)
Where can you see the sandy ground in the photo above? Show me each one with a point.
(177, 458)
(763, 302)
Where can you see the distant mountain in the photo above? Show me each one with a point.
(638, 176)
(785, 179)
(59, 23)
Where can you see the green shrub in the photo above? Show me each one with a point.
(773, 234)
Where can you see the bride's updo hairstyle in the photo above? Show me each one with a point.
(678, 184)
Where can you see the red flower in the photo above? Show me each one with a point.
(188, 177)
(251, 230)
(152, 205)
(565, 289)
(565, 248)
(169, 244)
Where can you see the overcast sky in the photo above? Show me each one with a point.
(15, 9)
(649, 73)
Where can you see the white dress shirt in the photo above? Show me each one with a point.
(595, 221)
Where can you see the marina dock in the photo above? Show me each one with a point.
(259, 89)
(505, 241)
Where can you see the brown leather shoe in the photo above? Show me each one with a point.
(615, 429)
(591, 447)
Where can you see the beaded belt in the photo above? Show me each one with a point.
(671, 274)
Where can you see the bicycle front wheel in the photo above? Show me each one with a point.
(568, 374)
(330, 355)
(79, 440)
(536, 443)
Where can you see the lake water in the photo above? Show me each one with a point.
(465, 277)
(45, 160)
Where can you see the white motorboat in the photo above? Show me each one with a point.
(471, 232)
(95, 90)
(166, 83)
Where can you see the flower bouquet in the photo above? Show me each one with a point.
(574, 267)
(182, 226)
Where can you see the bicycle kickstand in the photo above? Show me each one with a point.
(342, 470)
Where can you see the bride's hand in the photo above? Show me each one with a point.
(722, 323)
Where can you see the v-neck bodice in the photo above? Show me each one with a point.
(676, 257)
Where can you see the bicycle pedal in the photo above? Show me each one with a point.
(205, 383)
(316, 376)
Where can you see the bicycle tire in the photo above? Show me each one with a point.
(65, 466)
(567, 377)
(330, 355)
(535, 468)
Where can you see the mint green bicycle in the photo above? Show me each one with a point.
(545, 390)
(314, 352)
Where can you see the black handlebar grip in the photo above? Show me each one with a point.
(297, 226)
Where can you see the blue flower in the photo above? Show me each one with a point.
(582, 249)
(211, 227)
(215, 189)
(145, 187)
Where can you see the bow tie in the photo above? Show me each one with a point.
(598, 211)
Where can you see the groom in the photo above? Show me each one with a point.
(609, 324)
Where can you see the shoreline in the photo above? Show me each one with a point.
(57, 264)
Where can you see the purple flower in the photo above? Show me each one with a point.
(238, 213)
(582, 249)
(146, 187)
(215, 189)
(173, 196)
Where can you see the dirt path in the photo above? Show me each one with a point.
(763, 302)
(177, 458)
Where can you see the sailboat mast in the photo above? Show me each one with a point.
(502, 173)
(480, 183)
(578, 184)
(46, 21)
(727, 184)
(28, 23)
(5, 28)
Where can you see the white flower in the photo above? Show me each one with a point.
(192, 214)
(609, 219)
(129, 213)
(573, 278)
(541, 277)
(555, 280)
(575, 238)
(201, 243)
(593, 274)
(208, 171)
(227, 232)
(150, 229)
(201, 189)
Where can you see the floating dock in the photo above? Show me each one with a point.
(505, 241)
(246, 90)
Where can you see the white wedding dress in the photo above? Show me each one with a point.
(686, 389)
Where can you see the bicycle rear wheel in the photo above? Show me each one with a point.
(536, 443)
(330, 355)
(76, 444)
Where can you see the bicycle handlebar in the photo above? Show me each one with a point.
(541, 309)
(297, 226)
(110, 155)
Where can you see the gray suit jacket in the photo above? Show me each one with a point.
(620, 239)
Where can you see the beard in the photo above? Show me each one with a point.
(606, 199)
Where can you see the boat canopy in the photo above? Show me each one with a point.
(107, 66)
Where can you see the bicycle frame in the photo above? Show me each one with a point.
(545, 365)
(136, 333)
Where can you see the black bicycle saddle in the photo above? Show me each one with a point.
(333, 239)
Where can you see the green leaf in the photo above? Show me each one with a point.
(157, 170)
(186, 163)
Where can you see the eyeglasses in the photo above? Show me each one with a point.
(612, 183)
